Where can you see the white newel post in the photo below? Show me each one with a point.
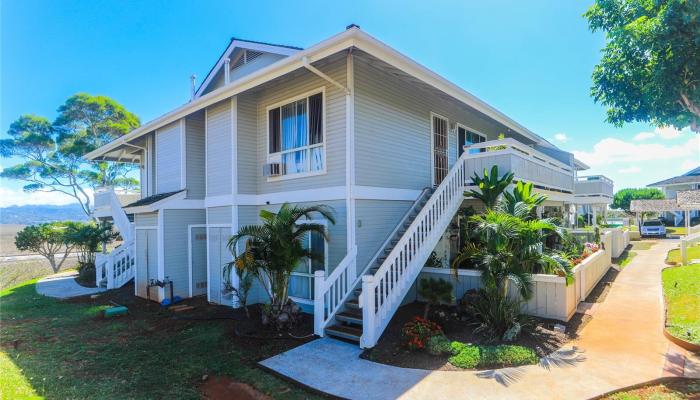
(367, 305)
(319, 283)
(109, 268)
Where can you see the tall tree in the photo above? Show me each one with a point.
(624, 197)
(50, 154)
(650, 66)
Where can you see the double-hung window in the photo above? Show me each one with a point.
(296, 137)
(301, 281)
(466, 137)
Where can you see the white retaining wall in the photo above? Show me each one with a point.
(620, 239)
(552, 297)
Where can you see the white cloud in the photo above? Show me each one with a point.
(630, 170)
(644, 136)
(611, 150)
(666, 133)
(689, 164)
(561, 137)
(12, 197)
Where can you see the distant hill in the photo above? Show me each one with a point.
(27, 215)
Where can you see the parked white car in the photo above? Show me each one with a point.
(653, 227)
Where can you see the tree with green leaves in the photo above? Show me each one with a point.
(50, 154)
(435, 292)
(275, 248)
(650, 66)
(522, 193)
(490, 185)
(624, 197)
(47, 239)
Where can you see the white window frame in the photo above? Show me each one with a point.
(310, 276)
(277, 157)
(432, 144)
(469, 130)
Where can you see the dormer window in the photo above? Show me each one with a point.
(296, 135)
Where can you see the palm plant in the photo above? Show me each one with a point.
(274, 248)
(522, 193)
(490, 185)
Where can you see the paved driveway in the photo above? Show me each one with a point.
(621, 346)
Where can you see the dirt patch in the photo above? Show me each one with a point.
(601, 290)
(223, 388)
(670, 388)
(541, 337)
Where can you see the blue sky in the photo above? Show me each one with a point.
(532, 60)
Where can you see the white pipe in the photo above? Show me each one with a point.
(193, 84)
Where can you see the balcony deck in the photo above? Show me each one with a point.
(549, 176)
(594, 189)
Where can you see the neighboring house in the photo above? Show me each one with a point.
(670, 187)
(594, 194)
(348, 122)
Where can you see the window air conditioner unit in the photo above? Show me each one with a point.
(273, 169)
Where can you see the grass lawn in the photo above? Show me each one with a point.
(674, 256)
(673, 389)
(676, 230)
(682, 294)
(625, 258)
(65, 349)
(13, 273)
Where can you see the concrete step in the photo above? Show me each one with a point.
(350, 316)
(345, 332)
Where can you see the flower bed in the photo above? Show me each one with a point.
(552, 297)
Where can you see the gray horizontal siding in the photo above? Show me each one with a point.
(169, 158)
(176, 246)
(219, 215)
(249, 215)
(219, 154)
(378, 219)
(194, 156)
(252, 129)
(392, 128)
(146, 219)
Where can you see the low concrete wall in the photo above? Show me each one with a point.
(620, 239)
(552, 297)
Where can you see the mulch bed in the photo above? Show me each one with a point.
(223, 388)
(601, 290)
(244, 331)
(390, 350)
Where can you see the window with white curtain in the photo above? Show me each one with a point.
(301, 281)
(295, 135)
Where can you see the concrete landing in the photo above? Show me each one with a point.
(64, 286)
(622, 345)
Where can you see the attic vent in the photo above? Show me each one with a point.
(246, 57)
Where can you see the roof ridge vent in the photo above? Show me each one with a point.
(352, 26)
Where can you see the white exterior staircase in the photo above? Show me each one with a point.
(115, 269)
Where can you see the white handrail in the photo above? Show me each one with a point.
(120, 218)
(330, 293)
(488, 146)
(382, 292)
(117, 266)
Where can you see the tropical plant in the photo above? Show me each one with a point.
(47, 239)
(241, 266)
(490, 185)
(435, 292)
(275, 248)
(650, 67)
(87, 237)
(522, 193)
(50, 155)
(496, 315)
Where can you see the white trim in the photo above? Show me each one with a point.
(349, 152)
(161, 254)
(274, 157)
(383, 193)
(242, 44)
(468, 129)
(206, 152)
(206, 219)
(434, 115)
(189, 252)
(183, 150)
(353, 37)
(145, 227)
(234, 144)
(159, 204)
(310, 276)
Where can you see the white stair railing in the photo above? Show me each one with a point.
(121, 220)
(117, 267)
(330, 293)
(383, 292)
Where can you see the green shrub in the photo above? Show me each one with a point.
(417, 331)
(476, 356)
(438, 344)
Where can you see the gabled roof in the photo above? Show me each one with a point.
(236, 43)
(348, 39)
(692, 176)
(146, 201)
(654, 205)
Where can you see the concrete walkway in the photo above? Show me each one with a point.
(622, 345)
(64, 286)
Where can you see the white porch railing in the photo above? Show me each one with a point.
(115, 269)
(382, 292)
(330, 293)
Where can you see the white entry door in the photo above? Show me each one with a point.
(218, 257)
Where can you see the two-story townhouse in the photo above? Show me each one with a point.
(348, 122)
(671, 186)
